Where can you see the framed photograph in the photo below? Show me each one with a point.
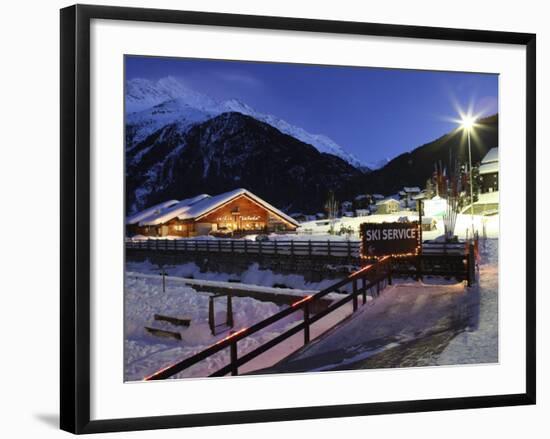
(268, 218)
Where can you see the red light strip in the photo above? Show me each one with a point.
(230, 336)
(305, 299)
(158, 372)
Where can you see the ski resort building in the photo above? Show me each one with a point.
(387, 206)
(488, 172)
(234, 212)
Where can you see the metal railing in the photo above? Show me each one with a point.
(371, 277)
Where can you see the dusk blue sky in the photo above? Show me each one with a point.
(373, 113)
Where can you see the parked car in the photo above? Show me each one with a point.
(262, 238)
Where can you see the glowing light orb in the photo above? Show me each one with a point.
(467, 122)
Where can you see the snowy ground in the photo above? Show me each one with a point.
(479, 343)
(146, 353)
(434, 323)
(252, 276)
(413, 324)
(403, 313)
(319, 230)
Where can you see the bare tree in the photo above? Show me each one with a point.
(453, 186)
(331, 207)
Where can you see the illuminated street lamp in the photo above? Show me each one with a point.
(468, 123)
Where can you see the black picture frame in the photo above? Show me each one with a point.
(75, 217)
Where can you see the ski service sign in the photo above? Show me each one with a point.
(396, 239)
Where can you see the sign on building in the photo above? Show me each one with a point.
(397, 239)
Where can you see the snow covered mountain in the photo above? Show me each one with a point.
(229, 151)
(152, 105)
(143, 93)
(413, 168)
(379, 164)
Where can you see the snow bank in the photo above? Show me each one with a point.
(316, 230)
(145, 353)
(319, 230)
(479, 344)
(197, 283)
(252, 276)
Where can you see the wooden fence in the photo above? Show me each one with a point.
(458, 261)
(349, 249)
(371, 278)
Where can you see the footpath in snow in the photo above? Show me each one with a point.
(413, 324)
(479, 343)
(410, 324)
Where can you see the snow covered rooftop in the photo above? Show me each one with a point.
(156, 209)
(488, 168)
(196, 207)
(387, 201)
(175, 210)
(491, 156)
(419, 196)
(412, 190)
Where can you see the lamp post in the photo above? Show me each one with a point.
(468, 123)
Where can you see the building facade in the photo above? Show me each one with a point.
(232, 213)
(488, 172)
(388, 206)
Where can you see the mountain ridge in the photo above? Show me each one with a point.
(149, 104)
(414, 167)
(233, 150)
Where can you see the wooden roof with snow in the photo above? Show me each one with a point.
(388, 201)
(156, 209)
(197, 207)
(491, 156)
(489, 163)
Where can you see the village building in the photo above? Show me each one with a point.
(417, 199)
(346, 206)
(407, 195)
(234, 212)
(488, 172)
(412, 190)
(436, 206)
(300, 217)
(487, 203)
(362, 212)
(428, 224)
(387, 206)
(363, 201)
